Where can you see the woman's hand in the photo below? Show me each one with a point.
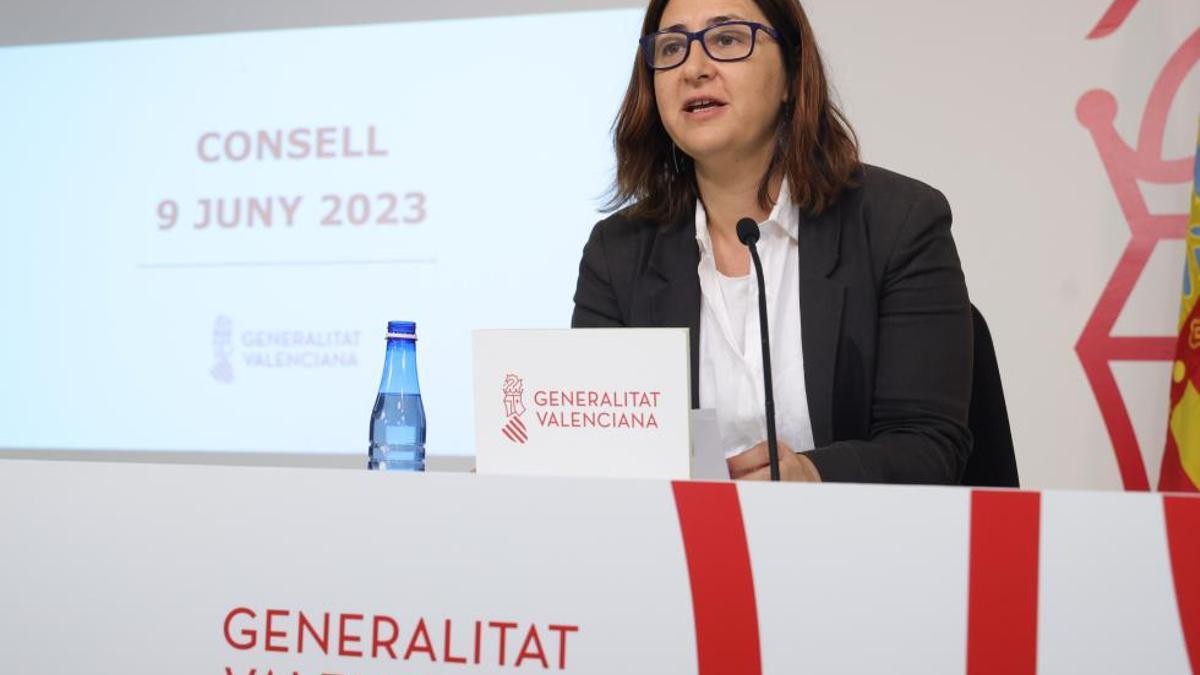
(753, 464)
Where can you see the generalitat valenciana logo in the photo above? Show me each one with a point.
(514, 407)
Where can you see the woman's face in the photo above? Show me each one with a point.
(747, 93)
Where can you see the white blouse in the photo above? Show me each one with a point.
(731, 375)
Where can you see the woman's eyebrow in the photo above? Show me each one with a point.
(713, 21)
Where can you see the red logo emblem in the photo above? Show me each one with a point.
(514, 407)
(1127, 164)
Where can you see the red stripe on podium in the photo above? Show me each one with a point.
(1183, 541)
(718, 559)
(1002, 608)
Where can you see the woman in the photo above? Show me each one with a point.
(728, 115)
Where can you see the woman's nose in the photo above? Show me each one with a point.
(697, 65)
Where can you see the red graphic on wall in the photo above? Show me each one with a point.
(1112, 19)
(1126, 166)
(514, 407)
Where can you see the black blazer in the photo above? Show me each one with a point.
(885, 322)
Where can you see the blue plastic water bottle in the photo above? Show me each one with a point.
(398, 420)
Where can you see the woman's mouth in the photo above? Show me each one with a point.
(703, 108)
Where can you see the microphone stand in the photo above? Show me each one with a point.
(748, 233)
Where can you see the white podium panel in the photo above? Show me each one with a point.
(125, 568)
(583, 402)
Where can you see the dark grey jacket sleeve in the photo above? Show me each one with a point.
(596, 303)
(918, 431)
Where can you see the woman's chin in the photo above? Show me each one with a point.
(704, 147)
(711, 154)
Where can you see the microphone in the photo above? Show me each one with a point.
(747, 232)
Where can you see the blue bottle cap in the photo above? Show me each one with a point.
(402, 329)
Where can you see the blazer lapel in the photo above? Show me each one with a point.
(821, 301)
(671, 293)
(671, 286)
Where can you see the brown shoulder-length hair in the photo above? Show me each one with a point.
(817, 151)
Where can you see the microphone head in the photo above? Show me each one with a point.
(747, 231)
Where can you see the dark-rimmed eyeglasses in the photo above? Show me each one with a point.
(727, 41)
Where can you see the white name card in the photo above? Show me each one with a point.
(587, 402)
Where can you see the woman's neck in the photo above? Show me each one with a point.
(730, 193)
